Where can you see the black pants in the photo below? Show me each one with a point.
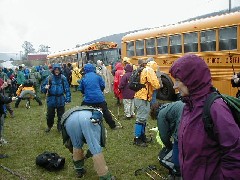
(51, 115)
(106, 113)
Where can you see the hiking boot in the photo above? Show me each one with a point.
(146, 139)
(48, 129)
(117, 127)
(81, 172)
(139, 142)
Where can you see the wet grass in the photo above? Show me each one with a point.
(27, 139)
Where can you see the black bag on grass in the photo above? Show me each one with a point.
(50, 161)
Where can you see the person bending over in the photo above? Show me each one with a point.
(83, 125)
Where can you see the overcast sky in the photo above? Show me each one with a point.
(61, 24)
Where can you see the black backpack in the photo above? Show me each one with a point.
(233, 104)
(134, 80)
(50, 161)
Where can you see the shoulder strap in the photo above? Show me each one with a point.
(207, 119)
(72, 110)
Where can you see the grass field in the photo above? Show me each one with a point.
(27, 139)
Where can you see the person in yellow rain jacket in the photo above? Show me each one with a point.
(76, 75)
(142, 100)
(24, 90)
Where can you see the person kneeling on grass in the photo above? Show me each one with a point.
(24, 90)
(80, 125)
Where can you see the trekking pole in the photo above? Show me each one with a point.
(12, 172)
(115, 118)
(138, 171)
(154, 169)
(118, 111)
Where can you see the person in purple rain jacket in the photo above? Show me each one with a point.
(127, 94)
(202, 157)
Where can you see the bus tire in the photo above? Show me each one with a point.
(166, 93)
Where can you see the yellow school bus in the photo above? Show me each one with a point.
(215, 39)
(107, 52)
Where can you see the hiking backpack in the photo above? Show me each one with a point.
(233, 104)
(50, 161)
(134, 80)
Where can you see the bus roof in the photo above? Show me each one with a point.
(189, 26)
(91, 47)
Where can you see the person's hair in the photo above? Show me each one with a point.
(155, 110)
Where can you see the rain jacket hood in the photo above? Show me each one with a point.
(88, 68)
(194, 73)
(119, 66)
(128, 68)
(57, 66)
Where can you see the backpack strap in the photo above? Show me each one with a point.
(65, 116)
(207, 119)
(50, 81)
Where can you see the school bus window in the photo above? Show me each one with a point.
(228, 38)
(208, 40)
(191, 42)
(139, 48)
(110, 56)
(175, 44)
(130, 49)
(150, 46)
(162, 45)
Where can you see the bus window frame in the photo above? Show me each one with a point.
(140, 47)
(228, 40)
(165, 47)
(149, 46)
(208, 43)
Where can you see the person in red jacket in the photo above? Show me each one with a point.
(117, 77)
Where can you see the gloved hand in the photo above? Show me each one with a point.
(47, 86)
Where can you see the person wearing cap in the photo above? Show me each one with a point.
(142, 100)
(126, 61)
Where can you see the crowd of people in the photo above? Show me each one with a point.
(180, 124)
